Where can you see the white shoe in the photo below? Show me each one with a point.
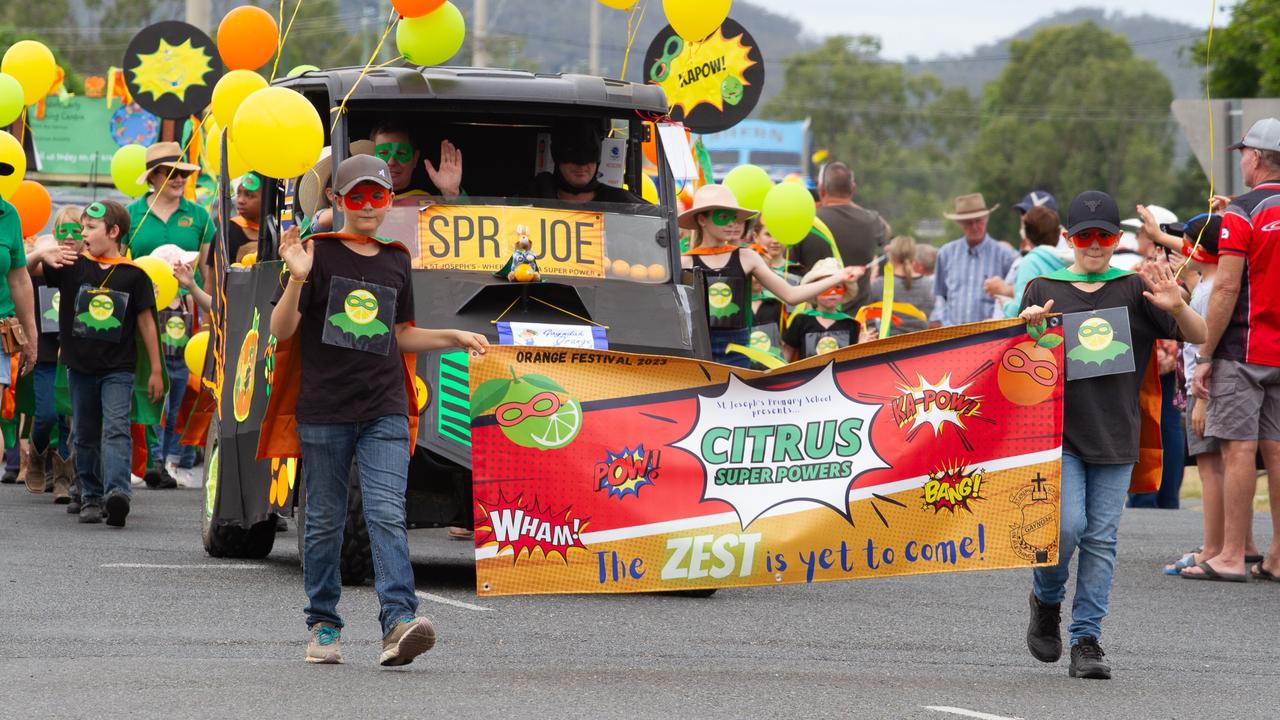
(136, 481)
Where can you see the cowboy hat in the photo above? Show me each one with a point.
(165, 155)
(311, 188)
(824, 268)
(712, 197)
(970, 207)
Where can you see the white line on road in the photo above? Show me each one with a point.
(207, 566)
(431, 597)
(967, 713)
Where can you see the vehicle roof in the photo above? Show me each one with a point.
(487, 84)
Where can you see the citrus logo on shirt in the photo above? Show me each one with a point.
(720, 298)
(175, 331)
(101, 314)
(55, 304)
(1097, 343)
(827, 344)
(359, 316)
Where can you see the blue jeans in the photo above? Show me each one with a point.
(1092, 500)
(46, 410)
(166, 447)
(720, 340)
(101, 427)
(381, 450)
(1174, 440)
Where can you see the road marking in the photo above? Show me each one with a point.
(207, 566)
(431, 597)
(967, 713)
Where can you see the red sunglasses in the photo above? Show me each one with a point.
(366, 193)
(1085, 238)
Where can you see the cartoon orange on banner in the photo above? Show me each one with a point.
(607, 472)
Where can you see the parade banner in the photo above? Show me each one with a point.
(596, 471)
(481, 238)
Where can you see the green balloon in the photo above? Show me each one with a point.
(788, 212)
(127, 166)
(750, 184)
(302, 69)
(11, 101)
(433, 38)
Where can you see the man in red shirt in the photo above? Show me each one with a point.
(1238, 368)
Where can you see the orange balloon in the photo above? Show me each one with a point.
(34, 206)
(416, 8)
(650, 146)
(247, 38)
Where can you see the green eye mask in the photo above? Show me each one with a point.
(96, 211)
(720, 218)
(400, 152)
(68, 231)
(251, 182)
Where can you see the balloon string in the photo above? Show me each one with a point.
(632, 31)
(280, 48)
(1208, 96)
(342, 106)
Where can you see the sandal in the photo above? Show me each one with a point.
(1208, 573)
(1260, 573)
(1186, 561)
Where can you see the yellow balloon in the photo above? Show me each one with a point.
(618, 4)
(231, 90)
(694, 20)
(11, 154)
(33, 66)
(278, 132)
(648, 190)
(193, 354)
(212, 154)
(162, 279)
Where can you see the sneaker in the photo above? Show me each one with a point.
(408, 640)
(1087, 662)
(73, 507)
(167, 480)
(136, 481)
(152, 477)
(117, 508)
(1044, 639)
(186, 477)
(325, 646)
(91, 512)
(10, 477)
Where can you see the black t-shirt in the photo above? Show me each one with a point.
(770, 311)
(236, 238)
(1101, 421)
(544, 186)
(98, 314)
(859, 234)
(47, 345)
(352, 370)
(807, 335)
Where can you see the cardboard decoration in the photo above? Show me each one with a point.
(711, 85)
(170, 68)
(1098, 343)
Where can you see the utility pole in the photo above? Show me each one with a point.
(594, 56)
(200, 14)
(480, 50)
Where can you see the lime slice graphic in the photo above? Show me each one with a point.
(561, 427)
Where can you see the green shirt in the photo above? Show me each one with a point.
(12, 253)
(189, 227)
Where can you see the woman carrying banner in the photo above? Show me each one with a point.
(716, 222)
(1101, 424)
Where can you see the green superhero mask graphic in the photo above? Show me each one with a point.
(175, 332)
(731, 90)
(54, 304)
(720, 301)
(1097, 344)
(359, 316)
(101, 314)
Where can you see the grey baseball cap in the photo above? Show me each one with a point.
(361, 168)
(1264, 135)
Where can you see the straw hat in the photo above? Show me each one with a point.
(165, 155)
(311, 188)
(970, 207)
(824, 268)
(712, 197)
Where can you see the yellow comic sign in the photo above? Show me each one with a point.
(481, 237)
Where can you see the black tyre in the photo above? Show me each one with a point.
(355, 565)
(224, 540)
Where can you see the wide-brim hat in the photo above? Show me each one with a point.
(1162, 216)
(824, 268)
(712, 197)
(971, 207)
(165, 155)
(311, 186)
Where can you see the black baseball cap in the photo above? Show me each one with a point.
(1093, 209)
(1204, 226)
(576, 142)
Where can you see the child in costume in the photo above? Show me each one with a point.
(109, 303)
(824, 328)
(1101, 425)
(716, 224)
(349, 299)
(242, 233)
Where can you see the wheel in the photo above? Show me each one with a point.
(355, 564)
(225, 540)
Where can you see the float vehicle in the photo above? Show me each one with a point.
(624, 276)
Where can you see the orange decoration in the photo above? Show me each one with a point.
(34, 206)
(95, 86)
(650, 146)
(247, 38)
(416, 8)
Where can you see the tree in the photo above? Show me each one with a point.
(1073, 110)
(901, 134)
(1245, 58)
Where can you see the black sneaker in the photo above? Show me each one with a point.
(91, 512)
(1087, 662)
(1044, 639)
(10, 477)
(153, 478)
(117, 508)
(167, 481)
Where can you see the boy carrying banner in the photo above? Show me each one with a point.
(349, 297)
(108, 303)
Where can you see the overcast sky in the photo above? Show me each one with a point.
(926, 28)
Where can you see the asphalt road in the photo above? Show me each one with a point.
(140, 623)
